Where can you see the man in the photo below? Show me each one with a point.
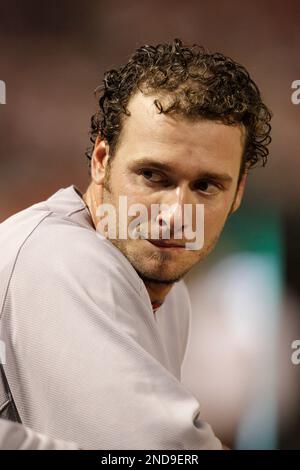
(96, 324)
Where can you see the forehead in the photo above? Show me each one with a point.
(178, 140)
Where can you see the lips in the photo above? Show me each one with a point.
(165, 244)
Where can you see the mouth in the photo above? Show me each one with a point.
(166, 245)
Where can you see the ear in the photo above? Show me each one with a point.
(240, 192)
(99, 160)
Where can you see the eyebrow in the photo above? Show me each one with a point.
(146, 161)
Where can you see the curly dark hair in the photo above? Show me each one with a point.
(198, 84)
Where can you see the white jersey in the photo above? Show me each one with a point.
(87, 361)
(14, 436)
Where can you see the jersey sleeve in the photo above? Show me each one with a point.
(14, 436)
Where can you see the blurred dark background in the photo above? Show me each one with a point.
(53, 55)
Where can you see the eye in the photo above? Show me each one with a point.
(153, 176)
(206, 186)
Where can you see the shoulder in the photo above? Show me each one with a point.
(61, 248)
(66, 267)
(63, 272)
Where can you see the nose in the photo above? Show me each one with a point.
(172, 210)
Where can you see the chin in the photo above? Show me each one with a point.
(158, 272)
(157, 278)
(155, 266)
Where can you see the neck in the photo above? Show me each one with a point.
(157, 292)
(92, 201)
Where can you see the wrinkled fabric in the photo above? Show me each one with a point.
(14, 436)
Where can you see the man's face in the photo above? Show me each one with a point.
(201, 166)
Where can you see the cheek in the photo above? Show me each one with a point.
(128, 185)
(216, 215)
